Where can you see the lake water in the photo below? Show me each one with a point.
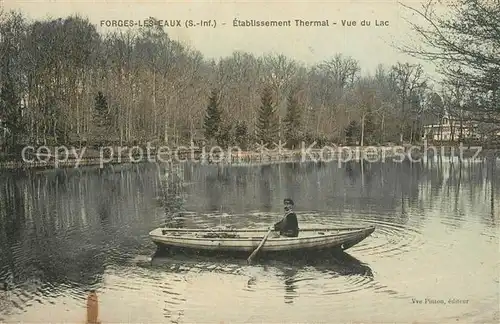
(65, 232)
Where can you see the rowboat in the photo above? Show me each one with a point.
(247, 240)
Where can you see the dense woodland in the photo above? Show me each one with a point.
(64, 83)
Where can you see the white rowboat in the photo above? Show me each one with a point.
(246, 240)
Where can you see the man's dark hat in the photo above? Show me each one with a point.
(288, 201)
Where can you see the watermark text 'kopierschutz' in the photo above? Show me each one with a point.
(63, 155)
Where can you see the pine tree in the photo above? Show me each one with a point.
(292, 121)
(101, 111)
(267, 125)
(101, 118)
(213, 117)
(351, 131)
(241, 134)
(223, 135)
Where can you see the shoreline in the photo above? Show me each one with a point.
(347, 153)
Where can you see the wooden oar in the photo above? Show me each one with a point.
(92, 309)
(254, 253)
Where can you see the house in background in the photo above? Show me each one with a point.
(450, 129)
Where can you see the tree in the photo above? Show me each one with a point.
(292, 119)
(241, 134)
(10, 110)
(328, 83)
(223, 135)
(101, 111)
(342, 70)
(368, 126)
(267, 123)
(278, 75)
(12, 32)
(435, 111)
(155, 89)
(213, 117)
(101, 118)
(352, 131)
(409, 79)
(464, 45)
(387, 94)
(365, 102)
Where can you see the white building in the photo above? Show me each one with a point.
(449, 129)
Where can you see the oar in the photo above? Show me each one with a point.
(254, 253)
(92, 308)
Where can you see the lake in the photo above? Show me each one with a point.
(65, 232)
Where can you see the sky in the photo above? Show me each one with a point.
(370, 45)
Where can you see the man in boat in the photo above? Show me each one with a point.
(288, 226)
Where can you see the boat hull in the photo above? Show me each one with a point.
(237, 241)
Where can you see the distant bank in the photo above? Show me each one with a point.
(341, 154)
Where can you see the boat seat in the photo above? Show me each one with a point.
(220, 235)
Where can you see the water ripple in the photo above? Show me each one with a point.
(388, 240)
(60, 238)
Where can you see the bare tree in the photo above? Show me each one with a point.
(156, 88)
(465, 45)
(409, 79)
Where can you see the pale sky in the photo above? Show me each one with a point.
(369, 45)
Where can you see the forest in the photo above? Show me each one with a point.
(64, 83)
